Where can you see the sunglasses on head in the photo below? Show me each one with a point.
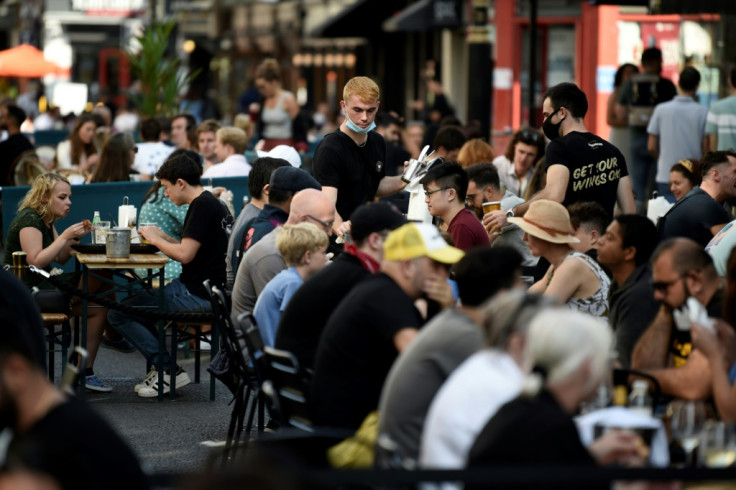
(527, 135)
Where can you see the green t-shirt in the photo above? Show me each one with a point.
(27, 218)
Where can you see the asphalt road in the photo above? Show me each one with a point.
(168, 437)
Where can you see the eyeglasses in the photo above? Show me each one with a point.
(429, 193)
(326, 224)
(531, 136)
(663, 286)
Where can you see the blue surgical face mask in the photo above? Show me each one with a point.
(357, 129)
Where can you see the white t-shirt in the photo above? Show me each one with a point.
(464, 404)
(151, 156)
(232, 166)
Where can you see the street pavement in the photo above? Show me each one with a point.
(168, 437)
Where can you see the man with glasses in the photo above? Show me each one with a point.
(581, 166)
(262, 261)
(305, 317)
(516, 167)
(284, 183)
(484, 185)
(445, 187)
(680, 269)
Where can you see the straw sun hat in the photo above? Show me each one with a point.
(547, 220)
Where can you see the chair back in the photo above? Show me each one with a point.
(287, 389)
(27, 168)
(238, 366)
(254, 344)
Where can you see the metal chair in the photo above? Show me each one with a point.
(243, 383)
(55, 337)
(287, 389)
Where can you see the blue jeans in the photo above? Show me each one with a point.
(641, 169)
(141, 331)
(664, 191)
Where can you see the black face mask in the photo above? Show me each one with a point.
(551, 130)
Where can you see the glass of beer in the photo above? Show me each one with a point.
(492, 206)
(143, 240)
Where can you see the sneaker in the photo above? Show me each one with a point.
(181, 380)
(121, 345)
(93, 383)
(148, 380)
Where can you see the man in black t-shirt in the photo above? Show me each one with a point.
(305, 317)
(11, 117)
(374, 323)
(201, 252)
(580, 165)
(351, 162)
(53, 437)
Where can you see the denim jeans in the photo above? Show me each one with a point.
(141, 331)
(641, 170)
(663, 189)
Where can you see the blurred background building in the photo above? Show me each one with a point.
(494, 58)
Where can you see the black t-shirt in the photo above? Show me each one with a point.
(79, 449)
(530, 431)
(355, 171)
(692, 217)
(312, 304)
(595, 167)
(357, 349)
(209, 222)
(10, 149)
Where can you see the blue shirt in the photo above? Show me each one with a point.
(273, 300)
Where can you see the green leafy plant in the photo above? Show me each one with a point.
(160, 75)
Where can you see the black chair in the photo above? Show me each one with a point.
(242, 381)
(287, 389)
(54, 337)
(257, 363)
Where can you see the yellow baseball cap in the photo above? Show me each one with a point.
(414, 240)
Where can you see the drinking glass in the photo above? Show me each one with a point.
(717, 445)
(100, 232)
(688, 419)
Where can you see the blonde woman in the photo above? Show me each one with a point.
(33, 232)
(303, 247)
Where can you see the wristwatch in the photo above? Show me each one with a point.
(510, 213)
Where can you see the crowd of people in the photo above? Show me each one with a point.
(473, 336)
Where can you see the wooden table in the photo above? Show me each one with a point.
(123, 268)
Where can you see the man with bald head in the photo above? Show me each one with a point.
(680, 269)
(262, 261)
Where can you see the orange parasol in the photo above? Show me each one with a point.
(27, 61)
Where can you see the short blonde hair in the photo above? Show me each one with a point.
(235, 137)
(38, 196)
(363, 87)
(293, 241)
(244, 122)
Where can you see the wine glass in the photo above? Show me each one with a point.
(717, 444)
(688, 418)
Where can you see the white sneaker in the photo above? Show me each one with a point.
(148, 380)
(181, 380)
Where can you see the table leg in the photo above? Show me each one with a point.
(81, 392)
